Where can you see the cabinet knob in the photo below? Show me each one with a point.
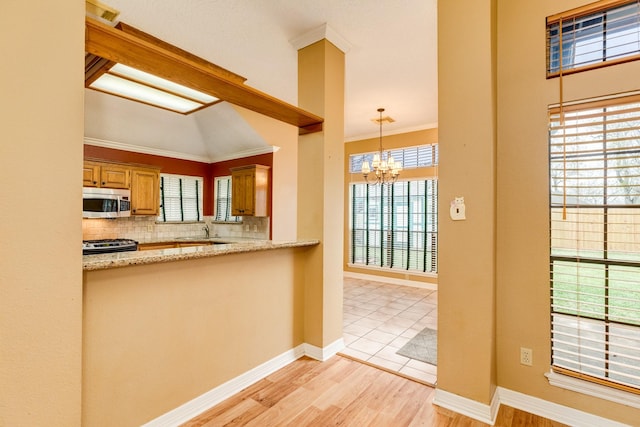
(103, 182)
(95, 182)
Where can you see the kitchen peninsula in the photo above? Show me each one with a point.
(164, 327)
(207, 249)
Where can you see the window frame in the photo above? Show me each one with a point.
(570, 18)
(228, 218)
(199, 194)
(428, 153)
(388, 255)
(579, 196)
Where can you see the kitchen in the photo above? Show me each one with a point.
(197, 321)
(144, 225)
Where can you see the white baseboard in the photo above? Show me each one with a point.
(533, 405)
(393, 281)
(195, 407)
(476, 410)
(325, 353)
(553, 411)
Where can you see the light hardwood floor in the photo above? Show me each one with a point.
(343, 392)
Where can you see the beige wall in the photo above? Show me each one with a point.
(320, 185)
(408, 139)
(41, 107)
(466, 272)
(158, 336)
(522, 215)
(519, 290)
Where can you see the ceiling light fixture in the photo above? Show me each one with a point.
(385, 168)
(127, 82)
(97, 9)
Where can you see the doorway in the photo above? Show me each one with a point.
(381, 319)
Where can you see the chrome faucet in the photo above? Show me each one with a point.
(206, 230)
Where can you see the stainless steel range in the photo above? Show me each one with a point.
(105, 246)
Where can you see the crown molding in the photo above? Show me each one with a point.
(144, 150)
(393, 132)
(176, 155)
(247, 153)
(324, 31)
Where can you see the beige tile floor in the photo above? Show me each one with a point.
(379, 318)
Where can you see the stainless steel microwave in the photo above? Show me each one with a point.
(105, 202)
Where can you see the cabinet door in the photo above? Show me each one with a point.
(249, 193)
(145, 192)
(90, 175)
(114, 176)
(250, 186)
(242, 199)
(237, 196)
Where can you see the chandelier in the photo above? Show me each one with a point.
(383, 166)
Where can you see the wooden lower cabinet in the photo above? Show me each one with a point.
(152, 246)
(145, 191)
(170, 245)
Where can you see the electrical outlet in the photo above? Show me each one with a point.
(526, 356)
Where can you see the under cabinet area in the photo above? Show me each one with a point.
(250, 186)
(143, 181)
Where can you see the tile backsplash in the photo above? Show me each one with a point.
(146, 229)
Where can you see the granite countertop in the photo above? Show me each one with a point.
(230, 246)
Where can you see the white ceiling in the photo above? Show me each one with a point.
(391, 63)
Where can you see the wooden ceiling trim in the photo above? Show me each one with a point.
(127, 48)
(181, 52)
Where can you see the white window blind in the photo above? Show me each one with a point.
(222, 196)
(595, 241)
(411, 157)
(180, 198)
(599, 34)
(395, 226)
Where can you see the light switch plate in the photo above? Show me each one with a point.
(457, 209)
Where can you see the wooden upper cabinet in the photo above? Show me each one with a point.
(250, 186)
(144, 183)
(145, 191)
(106, 175)
(115, 176)
(91, 174)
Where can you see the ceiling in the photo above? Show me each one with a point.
(391, 62)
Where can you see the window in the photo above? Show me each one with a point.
(412, 157)
(180, 198)
(593, 36)
(595, 241)
(395, 226)
(222, 196)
